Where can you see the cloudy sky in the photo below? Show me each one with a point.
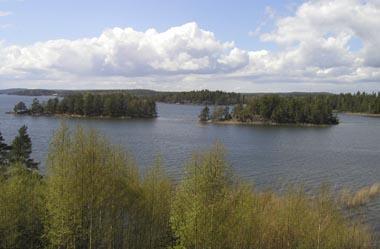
(245, 46)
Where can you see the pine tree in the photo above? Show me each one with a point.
(20, 108)
(205, 114)
(36, 107)
(21, 149)
(4, 150)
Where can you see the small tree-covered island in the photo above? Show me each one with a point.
(92, 105)
(275, 109)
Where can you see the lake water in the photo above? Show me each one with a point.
(345, 155)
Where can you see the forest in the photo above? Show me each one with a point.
(277, 109)
(360, 102)
(94, 196)
(92, 105)
(279, 103)
(204, 97)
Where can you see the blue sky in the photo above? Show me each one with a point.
(268, 36)
(39, 20)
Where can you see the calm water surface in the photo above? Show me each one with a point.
(344, 155)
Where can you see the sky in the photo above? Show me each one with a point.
(243, 46)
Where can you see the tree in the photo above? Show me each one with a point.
(36, 107)
(217, 114)
(22, 209)
(21, 149)
(205, 114)
(153, 209)
(226, 113)
(4, 150)
(202, 207)
(98, 105)
(279, 109)
(92, 193)
(89, 107)
(52, 106)
(20, 108)
(112, 105)
(204, 97)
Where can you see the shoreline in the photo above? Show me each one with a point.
(79, 116)
(363, 114)
(266, 123)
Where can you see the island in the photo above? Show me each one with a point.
(273, 110)
(117, 105)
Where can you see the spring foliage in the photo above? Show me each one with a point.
(94, 197)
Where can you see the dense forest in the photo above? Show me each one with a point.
(62, 93)
(199, 97)
(92, 105)
(93, 196)
(277, 109)
(360, 102)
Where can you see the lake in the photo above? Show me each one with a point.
(345, 155)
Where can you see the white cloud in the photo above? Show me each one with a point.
(126, 52)
(322, 30)
(314, 53)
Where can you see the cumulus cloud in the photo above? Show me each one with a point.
(125, 52)
(313, 50)
(320, 32)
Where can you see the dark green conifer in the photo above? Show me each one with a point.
(21, 149)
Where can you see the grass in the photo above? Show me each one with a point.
(361, 197)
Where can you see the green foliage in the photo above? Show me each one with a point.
(205, 114)
(93, 105)
(4, 151)
(201, 208)
(51, 106)
(359, 102)
(94, 197)
(152, 226)
(221, 113)
(292, 110)
(21, 209)
(20, 107)
(91, 190)
(111, 105)
(21, 149)
(36, 107)
(213, 210)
